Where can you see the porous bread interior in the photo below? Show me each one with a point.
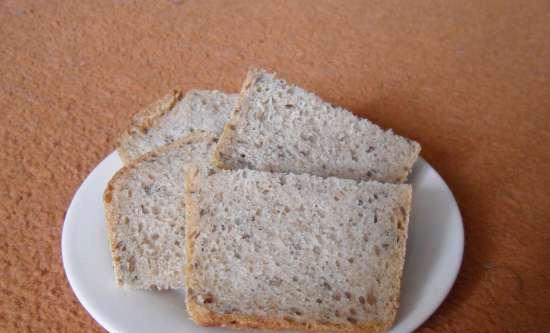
(145, 214)
(296, 251)
(281, 127)
(172, 118)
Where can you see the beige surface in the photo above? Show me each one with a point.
(468, 80)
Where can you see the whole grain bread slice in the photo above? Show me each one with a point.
(280, 127)
(145, 214)
(175, 116)
(286, 251)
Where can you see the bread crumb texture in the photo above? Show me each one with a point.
(145, 214)
(272, 250)
(174, 117)
(280, 127)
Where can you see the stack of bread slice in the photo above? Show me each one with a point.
(272, 208)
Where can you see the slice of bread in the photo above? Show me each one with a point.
(145, 214)
(280, 127)
(173, 117)
(286, 251)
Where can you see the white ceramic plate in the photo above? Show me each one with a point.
(434, 255)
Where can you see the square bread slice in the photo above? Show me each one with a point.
(280, 127)
(173, 117)
(145, 214)
(286, 251)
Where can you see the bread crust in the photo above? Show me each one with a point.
(110, 206)
(206, 317)
(143, 120)
(410, 162)
(226, 138)
(403, 220)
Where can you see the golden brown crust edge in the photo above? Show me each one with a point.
(191, 215)
(109, 201)
(409, 163)
(144, 119)
(110, 222)
(402, 252)
(205, 317)
(223, 148)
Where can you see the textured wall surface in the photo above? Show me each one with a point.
(470, 80)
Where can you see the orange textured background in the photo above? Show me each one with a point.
(470, 80)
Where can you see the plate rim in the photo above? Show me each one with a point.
(458, 264)
(97, 316)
